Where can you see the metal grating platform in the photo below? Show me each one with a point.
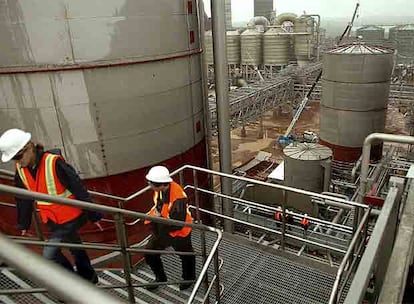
(250, 274)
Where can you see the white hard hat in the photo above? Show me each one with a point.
(159, 174)
(11, 142)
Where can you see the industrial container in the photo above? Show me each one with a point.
(228, 14)
(303, 43)
(252, 47)
(208, 47)
(355, 88)
(371, 34)
(263, 8)
(307, 167)
(275, 47)
(103, 88)
(233, 47)
(402, 39)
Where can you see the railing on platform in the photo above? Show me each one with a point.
(355, 232)
(123, 245)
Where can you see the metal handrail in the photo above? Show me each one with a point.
(56, 280)
(230, 176)
(294, 237)
(118, 211)
(263, 207)
(348, 255)
(195, 169)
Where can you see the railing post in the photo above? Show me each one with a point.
(217, 271)
(196, 196)
(283, 240)
(123, 243)
(181, 174)
(203, 233)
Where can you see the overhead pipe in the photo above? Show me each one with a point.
(366, 151)
(222, 101)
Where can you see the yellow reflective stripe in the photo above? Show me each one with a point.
(23, 176)
(50, 180)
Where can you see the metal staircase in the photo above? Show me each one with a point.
(250, 273)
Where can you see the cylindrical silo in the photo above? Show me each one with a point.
(305, 166)
(355, 87)
(251, 47)
(233, 47)
(94, 81)
(371, 34)
(402, 39)
(303, 43)
(208, 47)
(275, 47)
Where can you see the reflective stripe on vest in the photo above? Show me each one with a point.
(47, 182)
(176, 192)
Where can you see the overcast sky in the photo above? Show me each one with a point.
(243, 9)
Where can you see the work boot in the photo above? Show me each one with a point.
(159, 279)
(95, 279)
(185, 286)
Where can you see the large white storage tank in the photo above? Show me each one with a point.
(252, 47)
(303, 43)
(233, 47)
(92, 78)
(275, 47)
(208, 47)
(355, 88)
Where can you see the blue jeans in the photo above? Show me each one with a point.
(68, 232)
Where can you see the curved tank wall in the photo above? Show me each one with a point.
(355, 88)
(402, 39)
(304, 170)
(275, 47)
(115, 98)
(303, 43)
(233, 47)
(371, 34)
(252, 47)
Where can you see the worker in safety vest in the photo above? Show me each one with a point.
(170, 202)
(305, 222)
(48, 173)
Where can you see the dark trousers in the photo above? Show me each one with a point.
(68, 232)
(179, 244)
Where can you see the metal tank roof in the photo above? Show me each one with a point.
(407, 27)
(371, 28)
(361, 49)
(307, 151)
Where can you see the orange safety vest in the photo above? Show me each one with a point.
(47, 182)
(305, 222)
(278, 216)
(176, 192)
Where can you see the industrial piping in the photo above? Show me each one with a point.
(222, 100)
(366, 151)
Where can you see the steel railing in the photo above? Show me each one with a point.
(57, 279)
(327, 199)
(123, 246)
